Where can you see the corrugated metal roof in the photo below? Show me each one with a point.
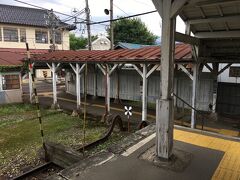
(11, 59)
(148, 54)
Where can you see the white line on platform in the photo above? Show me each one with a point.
(138, 145)
(104, 161)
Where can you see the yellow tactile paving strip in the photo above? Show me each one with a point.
(229, 167)
(226, 132)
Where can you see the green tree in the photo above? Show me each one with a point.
(79, 42)
(132, 31)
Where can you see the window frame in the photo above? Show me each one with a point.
(10, 39)
(3, 86)
(1, 37)
(58, 34)
(22, 33)
(40, 41)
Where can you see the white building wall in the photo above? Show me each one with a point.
(10, 96)
(40, 73)
(30, 36)
(102, 43)
(224, 77)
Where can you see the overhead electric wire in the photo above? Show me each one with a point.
(43, 8)
(121, 9)
(84, 20)
(143, 3)
(74, 16)
(126, 17)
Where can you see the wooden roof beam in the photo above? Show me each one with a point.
(223, 69)
(219, 60)
(233, 18)
(202, 3)
(158, 5)
(218, 34)
(220, 10)
(186, 39)
(176, 6)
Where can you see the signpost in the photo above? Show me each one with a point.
(128, 113)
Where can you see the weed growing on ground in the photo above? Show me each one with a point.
(20, 138)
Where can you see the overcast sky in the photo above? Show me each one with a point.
(121, 8)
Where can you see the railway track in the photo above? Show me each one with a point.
(116, 120)
(40, 172)
(43, 171)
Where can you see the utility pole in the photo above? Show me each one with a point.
(117, 99)
(111, 24)
(52, 24)
(87, 10)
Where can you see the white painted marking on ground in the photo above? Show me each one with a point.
(138, 145)
(104, 161)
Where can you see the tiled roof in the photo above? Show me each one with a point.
(148, 54)
(11, 59)
(23, 16)
(23, 51)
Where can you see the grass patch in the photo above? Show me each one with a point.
(14, 108)
(20, 137)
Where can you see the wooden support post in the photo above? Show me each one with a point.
(215, 83)
(95, 82)
(30, 84)
(117, 97)
(107, 72)
(164, 109)
(54, 68)
(144, 93)
(54, 81)
(194, 94)
(144, 89)
(78, 70)
(175, 89)
(107, 90)
(78, 86)
(1, 82)
(145, 74)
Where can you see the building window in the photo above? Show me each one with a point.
(0, 34)
(10, 82)
(58, 37)
(41, 36)
(10, 34)
(22, 35)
